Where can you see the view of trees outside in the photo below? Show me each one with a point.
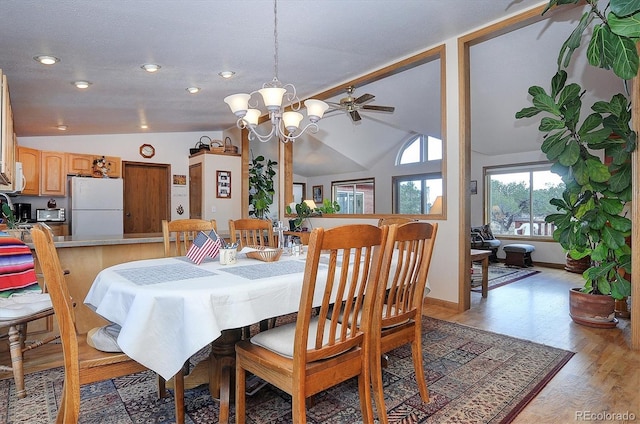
(519, 202)
(412, 194)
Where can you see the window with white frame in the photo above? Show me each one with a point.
(517, 198)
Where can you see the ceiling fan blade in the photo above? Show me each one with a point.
(364, 98)
(379, 108)
(355, 116)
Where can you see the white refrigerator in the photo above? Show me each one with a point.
(96, 206)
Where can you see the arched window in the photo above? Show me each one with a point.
(420, 148)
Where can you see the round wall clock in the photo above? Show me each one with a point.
(147, 151)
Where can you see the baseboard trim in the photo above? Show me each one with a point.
(439, 302)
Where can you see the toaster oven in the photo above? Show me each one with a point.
(50, 215)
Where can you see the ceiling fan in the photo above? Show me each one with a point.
(352, 105)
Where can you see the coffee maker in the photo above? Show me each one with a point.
(23, 211)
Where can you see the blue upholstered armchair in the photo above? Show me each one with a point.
(482, 238)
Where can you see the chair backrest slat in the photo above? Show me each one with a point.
(248, 232)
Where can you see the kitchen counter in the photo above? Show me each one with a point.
(79, 241)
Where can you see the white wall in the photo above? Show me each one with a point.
(171, 148)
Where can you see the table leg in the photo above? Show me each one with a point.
(485, 276)
(222, 370)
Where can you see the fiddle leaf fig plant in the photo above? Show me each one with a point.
(592, 155)
(261, 189)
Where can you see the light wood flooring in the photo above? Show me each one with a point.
(603, 375)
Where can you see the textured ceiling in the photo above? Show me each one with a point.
(322, 44)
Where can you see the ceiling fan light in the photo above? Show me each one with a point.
(272, 97)
(252, 116)
(291, 121)
(315, 109)
(238, 103)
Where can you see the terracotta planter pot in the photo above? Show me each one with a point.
(592, 310)
(577, 265)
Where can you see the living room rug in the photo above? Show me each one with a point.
(474, 376)
(499, 275)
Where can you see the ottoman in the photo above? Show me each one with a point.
(519, 254)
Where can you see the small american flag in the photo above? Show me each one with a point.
(204, 245)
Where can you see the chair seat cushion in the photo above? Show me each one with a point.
(104, 338)
(280, 339)
(24, 304)
(519, 248)
(491, 243)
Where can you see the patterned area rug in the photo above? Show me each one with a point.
(499, 275)
(474, 376)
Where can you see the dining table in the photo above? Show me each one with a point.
(171, 308)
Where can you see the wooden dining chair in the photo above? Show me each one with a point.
(184, 231)
(251, 231)
(82, 363)
(317, 351)
(399, 302)
(20, 309)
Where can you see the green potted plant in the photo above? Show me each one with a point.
(303, 211)
(261, 189)
(9, 217)
(593, 157)
(328, 206)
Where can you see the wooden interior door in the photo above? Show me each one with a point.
(147, 191)
(195, 191)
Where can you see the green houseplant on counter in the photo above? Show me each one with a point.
(592, 155)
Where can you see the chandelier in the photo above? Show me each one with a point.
(284, 125)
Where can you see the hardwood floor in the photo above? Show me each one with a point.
(602, 377)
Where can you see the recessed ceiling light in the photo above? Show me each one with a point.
(193, 90)
(62, 127)
(226, 74)
(144, 126)
(81, 84)
(46, 60)
(151, 67)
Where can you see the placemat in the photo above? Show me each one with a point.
(163, 273)
(266, 269)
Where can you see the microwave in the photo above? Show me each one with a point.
(50, 215)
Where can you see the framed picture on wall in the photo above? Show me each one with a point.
(223, 180)
(317, 194)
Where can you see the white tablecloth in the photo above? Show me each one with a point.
(170, 308)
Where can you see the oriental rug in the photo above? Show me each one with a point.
(474, 376)
(499, 275)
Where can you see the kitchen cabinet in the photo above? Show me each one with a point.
(115, 166)
(30, 159)
(7, 140)
(53, 178)
(79, 164)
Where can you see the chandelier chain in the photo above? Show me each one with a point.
(275, 39)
